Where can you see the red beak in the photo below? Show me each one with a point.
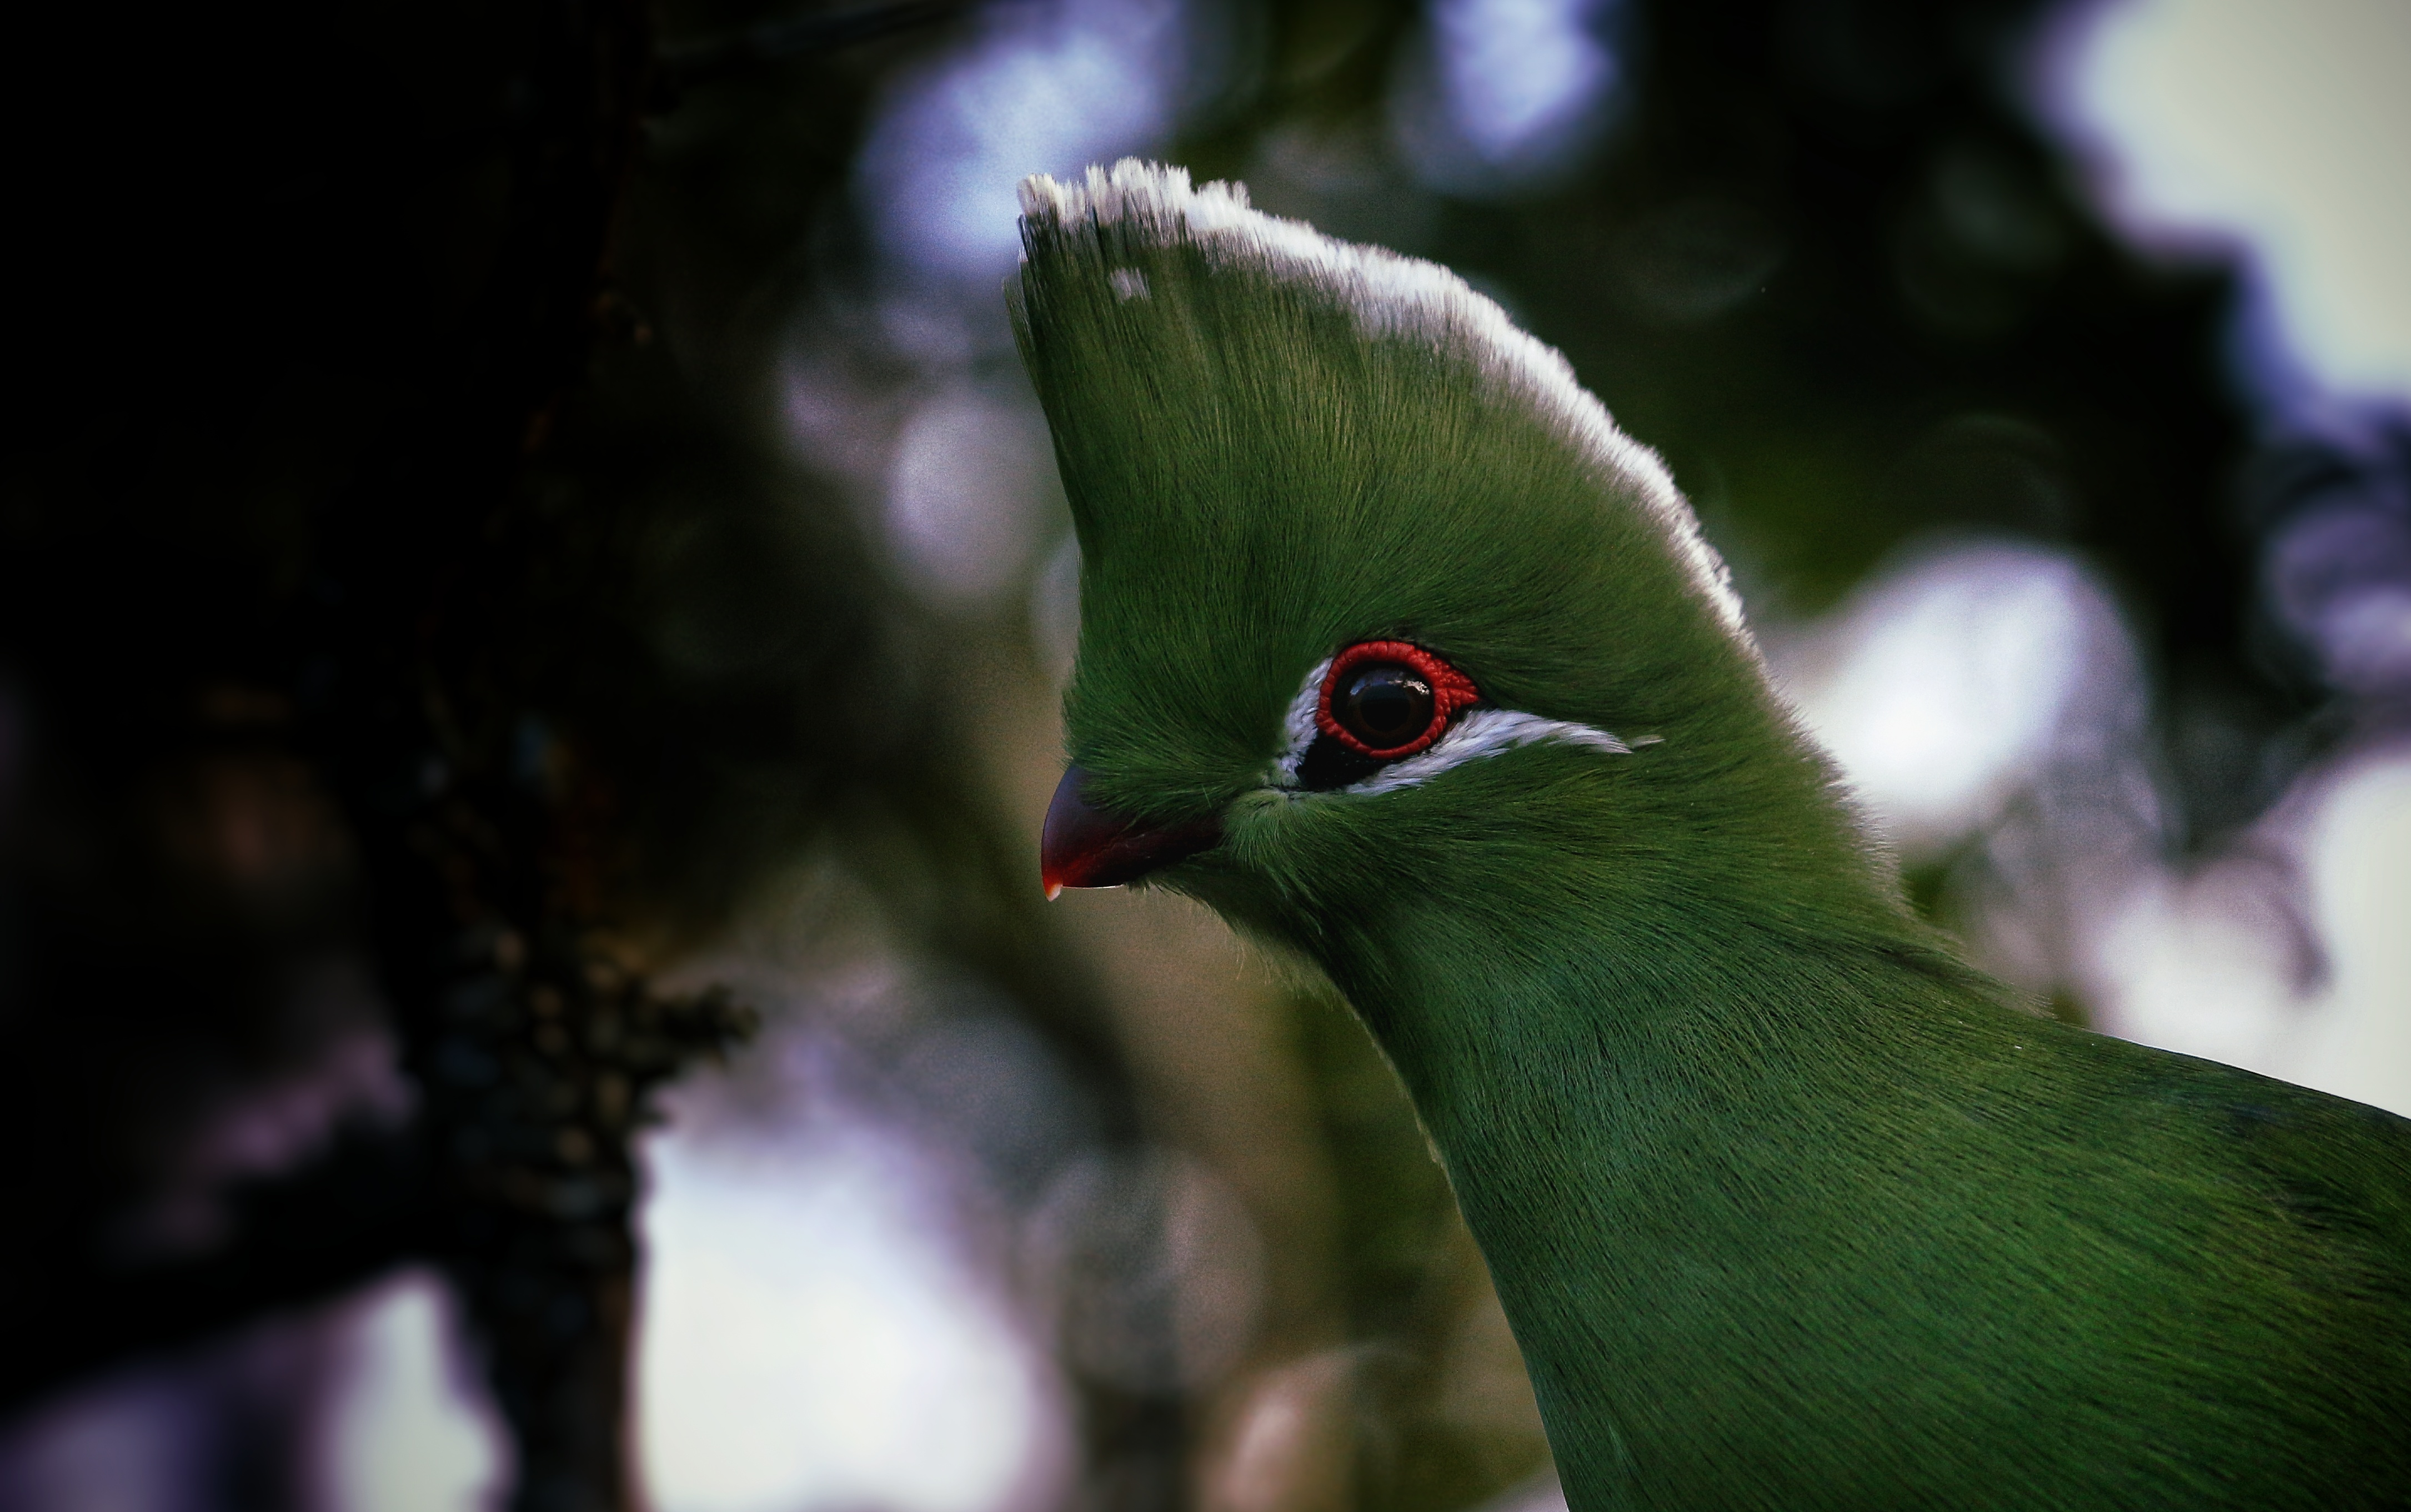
(1086, 846)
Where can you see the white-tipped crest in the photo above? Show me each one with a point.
(1392, 295)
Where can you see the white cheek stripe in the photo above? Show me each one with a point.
(1482, 733)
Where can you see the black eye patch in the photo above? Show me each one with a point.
(1328, 765)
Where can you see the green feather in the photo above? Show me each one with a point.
(1790, 1209)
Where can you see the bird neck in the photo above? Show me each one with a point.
(1634, 1092)
(1591, 1031)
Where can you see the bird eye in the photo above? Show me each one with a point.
(1383, 700)
(1384, 706)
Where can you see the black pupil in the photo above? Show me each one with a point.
(1384, 706)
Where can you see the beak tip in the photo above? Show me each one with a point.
(1085, 846)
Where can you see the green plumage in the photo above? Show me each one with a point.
(1789, 1208)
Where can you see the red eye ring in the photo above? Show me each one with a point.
(1452, 690)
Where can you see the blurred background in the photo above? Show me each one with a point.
(533, 593)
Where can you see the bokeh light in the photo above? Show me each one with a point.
(411, 1430)
(810, 1341)
(1499, 94)
(2280, 133)
(1944, 683)
(1046, 86)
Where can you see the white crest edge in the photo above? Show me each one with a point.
(1392, 295)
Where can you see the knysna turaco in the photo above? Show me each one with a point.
(1394, 649)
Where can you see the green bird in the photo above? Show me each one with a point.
(1396, 652)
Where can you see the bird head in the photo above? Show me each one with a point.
(1378, 608)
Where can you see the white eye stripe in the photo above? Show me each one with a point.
(1482, 732)
(1298, 726)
